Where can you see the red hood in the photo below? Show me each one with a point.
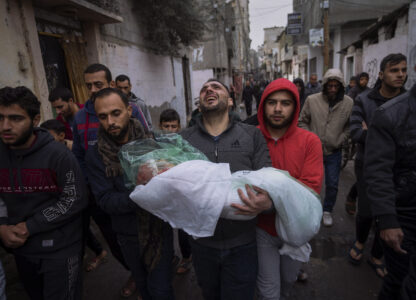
(279, 85)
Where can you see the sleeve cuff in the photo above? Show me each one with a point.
(387, 221)
(32, 226)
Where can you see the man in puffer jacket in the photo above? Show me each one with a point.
(297, 151)
(390, 174)
(327, 115)
(392, 76)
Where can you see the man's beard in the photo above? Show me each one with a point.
(285, 123)
(68, 114)
(119, 137)
(220, 107)
(24, 137)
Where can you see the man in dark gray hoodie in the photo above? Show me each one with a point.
(42, 196)
(226, 263)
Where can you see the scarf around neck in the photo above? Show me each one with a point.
(109, 148)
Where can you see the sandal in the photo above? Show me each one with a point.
(358, 252)
(96, 261)
(378, 268)
(350, 206)
(184, 266)
(302, 276)
(129, 288)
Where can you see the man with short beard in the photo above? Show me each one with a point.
(390, 174)
(297, 151)
(65, 106)
(146, 241)
(226, 263)
(327, 115)
(392, 76)
(42, 188)
(85, 129)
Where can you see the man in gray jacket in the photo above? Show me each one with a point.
(226, 263)
(327, 115)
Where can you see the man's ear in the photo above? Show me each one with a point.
(380, 75)
(230, 102)
(71, 100)
(130, 110)
(112, 84)
(61, 136)
(36, 120)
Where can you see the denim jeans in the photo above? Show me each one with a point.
(157, 284)
(226, 273)
(332, 164)
(2, 283)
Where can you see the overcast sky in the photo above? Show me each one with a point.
(266, 13)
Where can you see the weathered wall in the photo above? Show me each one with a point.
(316, 52)
(20, 59)
(373, 54)
(211, 54)
(198, 78)
(158, 79)
(411, 46)
(14, 59)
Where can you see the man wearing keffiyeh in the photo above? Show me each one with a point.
(145, 240)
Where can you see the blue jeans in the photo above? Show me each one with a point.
(226, 273)
(332, 164)
(157, 284)
(2, 283)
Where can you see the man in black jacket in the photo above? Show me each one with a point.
(42, 188)
(145, 241)
(226, 263)
(393, 72)
(390, 173)
(248, 97)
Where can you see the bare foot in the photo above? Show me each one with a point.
(97, 261)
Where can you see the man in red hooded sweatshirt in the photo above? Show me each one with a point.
(297, 151)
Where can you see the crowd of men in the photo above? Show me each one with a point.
(58, 176)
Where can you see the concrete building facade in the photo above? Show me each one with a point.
(393, 33)
(347, 19)
(48, 43)
(224, 51)
(271, 52)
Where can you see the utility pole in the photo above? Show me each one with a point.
(325, 6)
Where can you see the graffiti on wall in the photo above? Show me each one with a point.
(198, 54)
(372, 69)
(411, 73)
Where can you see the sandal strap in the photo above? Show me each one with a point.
(357, 250)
